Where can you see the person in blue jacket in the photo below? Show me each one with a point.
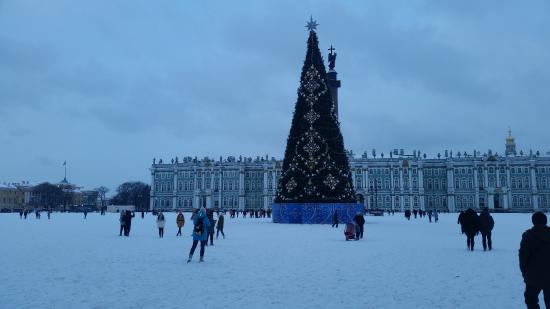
(200, 233)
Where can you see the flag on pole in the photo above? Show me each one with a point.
(65, 163)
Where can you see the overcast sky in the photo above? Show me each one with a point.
(108, 85)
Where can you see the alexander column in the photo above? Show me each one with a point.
(333, 82)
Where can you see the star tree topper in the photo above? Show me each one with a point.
(311, 24)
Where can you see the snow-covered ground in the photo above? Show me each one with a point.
(69, 262)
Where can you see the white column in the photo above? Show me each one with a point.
(508, 186)
(476, 188)
(151, 193)
(421, 196)
(450, 188)
(241, 189)
(220, 187)
(175, 190)
(534, 190)
(401, 193)
(265, 195)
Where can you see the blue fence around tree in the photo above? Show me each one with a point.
(314, 213)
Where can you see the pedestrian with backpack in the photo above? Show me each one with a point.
(200, 233)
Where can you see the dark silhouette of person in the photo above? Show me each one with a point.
(219, 226)
(534, 257)
(415, 212)
(335, 219)
(360, 223)
(486, 225)
(128, 222)
(408, 214)
(470, 221)
(459, 221)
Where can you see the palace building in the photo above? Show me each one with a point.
(514, 181)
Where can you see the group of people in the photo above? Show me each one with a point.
(422, 213)
(252, 213)
(126, 222)
(37, 213)
(355, 229)
(471, 225)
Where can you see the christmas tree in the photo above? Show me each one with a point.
(315, 167)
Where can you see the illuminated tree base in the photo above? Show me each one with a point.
(314, 213)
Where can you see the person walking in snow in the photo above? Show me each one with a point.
(210, 215)
(335, 219)
(470, 220)
(49, 213)
(459, 221)
(128, 222)
(21, 214)
(200, 232)
(415, 212)
(219, 226)
(486, 225)
(180, 222)
(408, 214)
(534, 254)
(160, 224)
(85, 213)
(430, 216)
(436, 216)
(359, 221)
(121, 221)
(25, 214)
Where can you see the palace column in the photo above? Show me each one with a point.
(490, 191)
(401, 193)
(265, 194)
(509, 185)
(410, 193)
(241, 189)
(450, 188)
(421, 188)
(151, 193)
(534, 189)
(175, 189)
(476, 188)
(392, 193)
(195, 190)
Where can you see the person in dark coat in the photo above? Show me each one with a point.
(470, 222)
(335, 219)
(459, 221)
(25, 214)
(210, 215)
(219, 227)
(128, 222)
(415, 212)
(359, 221)
(85, 213)
(430, 216)
(486, 225)
(20, 214)
(534, 257)
(408, 214)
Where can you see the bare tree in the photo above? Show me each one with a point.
(102, 192)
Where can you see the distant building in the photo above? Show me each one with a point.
(519, 182)
(11, 197)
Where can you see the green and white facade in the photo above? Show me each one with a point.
(516, 182)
